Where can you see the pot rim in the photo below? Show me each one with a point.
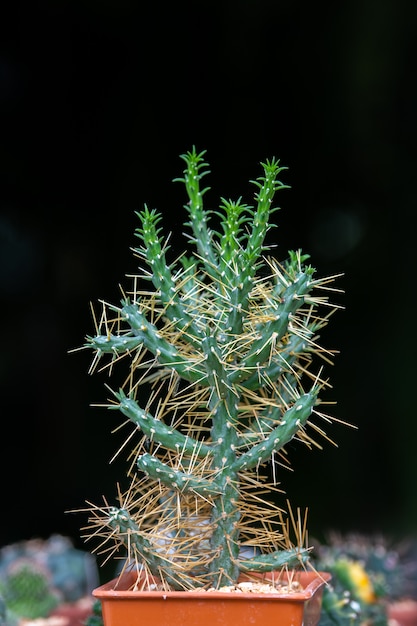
(312, 581)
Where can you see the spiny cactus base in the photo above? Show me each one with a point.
(221, 376)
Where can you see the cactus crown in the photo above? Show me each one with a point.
(221, 377)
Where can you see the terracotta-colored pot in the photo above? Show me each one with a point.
(403, 613)
(73, 614)
(122, 607)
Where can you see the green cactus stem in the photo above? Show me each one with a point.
(27, 591)
(222, 375)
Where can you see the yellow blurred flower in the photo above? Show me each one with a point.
(358, 581)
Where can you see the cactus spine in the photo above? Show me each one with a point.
(223, 348)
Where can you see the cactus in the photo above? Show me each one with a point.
(27, 591)
(221, 376)
(368, 574)
(349, 599)
(71, 573)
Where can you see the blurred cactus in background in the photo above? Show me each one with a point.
(368, 575)
(38, 575)
(27, 591)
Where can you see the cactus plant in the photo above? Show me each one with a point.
(223, 371)
(27, 592)
(72, 572)
(369, 574)
(38, 576)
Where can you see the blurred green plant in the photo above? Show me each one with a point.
(96, 618)
(38, 575)
(27, 592)
(367, 575)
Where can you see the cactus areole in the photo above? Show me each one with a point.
(222, 370)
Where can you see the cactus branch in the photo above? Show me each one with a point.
(289, 426)
(202, 235)
(275, 560)
(157, 430)
(175, 479)
(120, 522)
(155, 255)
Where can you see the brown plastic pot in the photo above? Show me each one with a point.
(124, 607)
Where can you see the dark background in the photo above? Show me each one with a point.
(98, 100)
